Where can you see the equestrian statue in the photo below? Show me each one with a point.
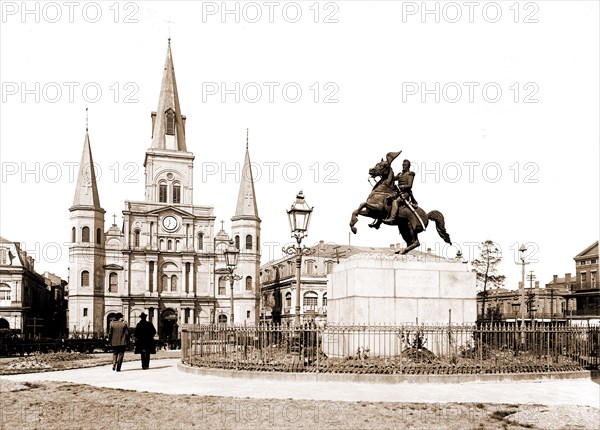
(392, 202)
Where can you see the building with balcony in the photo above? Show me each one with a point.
(585, 291)
(567, 298)
(541, 304)
(31, 304)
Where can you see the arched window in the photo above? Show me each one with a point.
(310, 300)
(288, 301)
(237, 241)
(85, 278)
(176, 193)
(162, 192)
(200, 241)
(174, 283)
(73, 234)
(169, 245)
(4, 292)
(165, 283)
(222, 319)
(85, 234)
(325, 300)
(222, 286)
(113, 283)
(249, 242)
(151, 233)
(162, 245)
(136, 238)
(98, 236)
(170, 117)
(248, 283)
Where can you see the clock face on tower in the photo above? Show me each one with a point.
(169, 223)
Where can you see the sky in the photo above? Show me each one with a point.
(496, 104)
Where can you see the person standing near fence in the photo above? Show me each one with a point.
(144, 340)
(118, 335)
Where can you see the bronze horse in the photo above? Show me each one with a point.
(379, 202)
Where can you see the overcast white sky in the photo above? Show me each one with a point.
(515, 166)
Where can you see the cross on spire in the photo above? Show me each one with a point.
(222, 222)
(169, 21)
(247, 138)
(86, 119)
(114, 219)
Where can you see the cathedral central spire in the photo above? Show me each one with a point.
(168, 125)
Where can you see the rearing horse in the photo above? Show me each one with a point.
(379, 202)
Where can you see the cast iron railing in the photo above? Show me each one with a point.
(427, 349)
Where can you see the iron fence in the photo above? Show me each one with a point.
(409, 349)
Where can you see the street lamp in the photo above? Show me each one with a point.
(299, 217)
(231, 258)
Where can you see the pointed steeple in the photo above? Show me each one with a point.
(168, 125)
(246, 204)
(86, 193)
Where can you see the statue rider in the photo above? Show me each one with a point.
(404, 182)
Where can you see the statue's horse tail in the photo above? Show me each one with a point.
(439, 225)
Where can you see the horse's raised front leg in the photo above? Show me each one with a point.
(363, 210)
(354, 218)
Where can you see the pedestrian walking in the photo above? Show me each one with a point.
(118, 335)
(144, 340)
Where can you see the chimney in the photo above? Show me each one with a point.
(537, 285)
(322, 245)
(392, 247)
(555, 280)
(567, 280)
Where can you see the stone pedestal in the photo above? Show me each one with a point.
(392, 289)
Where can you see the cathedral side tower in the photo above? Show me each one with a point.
(245, 231)
(86, 251)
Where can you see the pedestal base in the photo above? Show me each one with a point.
(389, 289)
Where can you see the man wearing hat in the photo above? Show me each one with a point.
(118, 335)
(144, 340)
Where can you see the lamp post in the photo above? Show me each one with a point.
(231, 258)
(515, 307)
(299, 217)
(522, 250)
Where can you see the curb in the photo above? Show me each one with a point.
(382, 379)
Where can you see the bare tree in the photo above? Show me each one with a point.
(486, 270)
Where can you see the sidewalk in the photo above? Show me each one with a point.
(164, 377)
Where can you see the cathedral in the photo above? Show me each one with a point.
(166, 260)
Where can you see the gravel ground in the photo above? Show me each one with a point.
(65, 406)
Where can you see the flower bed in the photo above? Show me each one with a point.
(411, 362)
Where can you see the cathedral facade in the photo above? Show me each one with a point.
(166, 260)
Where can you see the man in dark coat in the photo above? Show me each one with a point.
(144, 340)
(118, 336)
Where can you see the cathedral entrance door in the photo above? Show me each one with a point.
(169, 324)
